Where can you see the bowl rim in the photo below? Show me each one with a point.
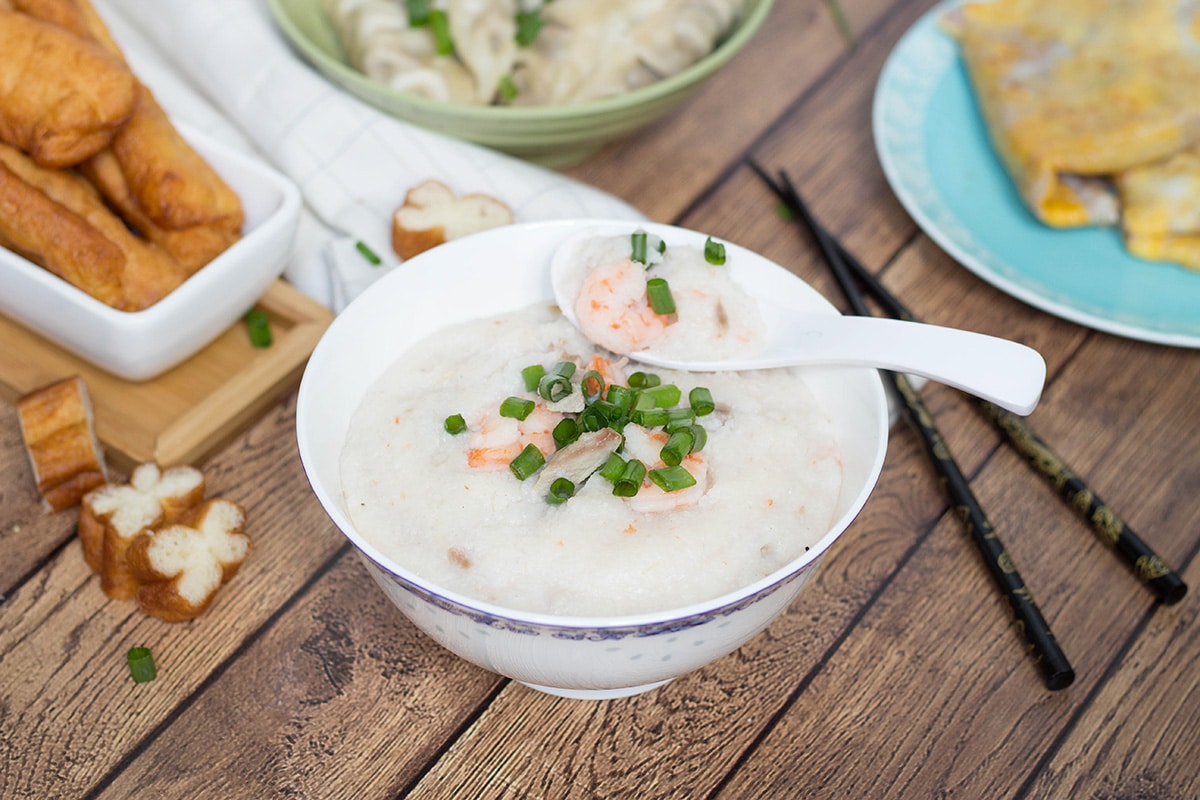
(705, 608)
(725, 50)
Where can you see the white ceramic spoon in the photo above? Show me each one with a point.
(1003, 372)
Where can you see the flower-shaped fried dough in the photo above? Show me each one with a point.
(113, 515)
(180, 567)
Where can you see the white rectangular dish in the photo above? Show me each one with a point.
(140, 345)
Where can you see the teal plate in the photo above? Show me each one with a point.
(935, 154)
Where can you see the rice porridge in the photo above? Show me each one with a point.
(526, 506)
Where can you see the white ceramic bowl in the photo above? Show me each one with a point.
(142, 344)
(586, 657)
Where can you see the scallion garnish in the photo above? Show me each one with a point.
(662, 246)
(630, 480)
(644, 380)
(141, 664)
(440, 27)
(554, 387)
(613, 468)
(637, 243)
(506, 90)
(621, 397)
(258, 326)
(516, 407)
(528, 462)
(565, 432)
(678, 445)
(592, 418)
(714, 252)
(699, 438)
(672, 479)
(665, 396)
(368, 253)
(561, 490)
(649, 417)
(592, 385)
(659, 295)
(531, 375)
(455, 424)
(701, 401)
(529, 23)
(418, 12)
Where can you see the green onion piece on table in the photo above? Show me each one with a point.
(714, 252)
(258, 327)
(516, 407)
(141, 664)
(528, 462)
(455, 424)
(671, 479)
(368, 253)
(561, 490)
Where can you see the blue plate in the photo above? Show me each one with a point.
(936, 155)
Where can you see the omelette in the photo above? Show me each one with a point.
(1093, 107)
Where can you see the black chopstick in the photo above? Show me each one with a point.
(1056, 669)
(1151, 569)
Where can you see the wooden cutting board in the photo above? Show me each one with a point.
(184, 414)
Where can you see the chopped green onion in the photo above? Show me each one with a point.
(455, 424)
(441, 33)
(699, 438)
(516, 407)
(630, 481)
(528, 462)
(701, 401)
(621, 397)
(506, 90)
(650, 417)
(591, 378)
(643, 380)
(528, 25)
(665, 396)
(613, 468)
(565, 432)
(592, 418)
(714, 252)
(644, 401)
(531, 375)
(638, 244)
(258, 326)
(564, 368)
(418, 12)
(677, 447)
(561, 490)
(368, 253)
(554, 387)
(141, 664)
(659, 294)
(672, 479)
(784, 212)
(662, 246)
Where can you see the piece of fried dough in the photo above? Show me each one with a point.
(62, 97)
(57, 219)
(165, 189)
(56, 426)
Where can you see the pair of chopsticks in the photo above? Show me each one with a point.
(1152, 570)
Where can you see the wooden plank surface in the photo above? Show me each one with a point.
(896, 673)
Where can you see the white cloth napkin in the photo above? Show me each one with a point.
(224, 67)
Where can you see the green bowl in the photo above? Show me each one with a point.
(555, 136)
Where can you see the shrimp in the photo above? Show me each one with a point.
(497, 440)
(613, 311)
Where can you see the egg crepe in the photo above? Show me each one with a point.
(1077, 93)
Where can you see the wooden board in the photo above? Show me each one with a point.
(183, 414)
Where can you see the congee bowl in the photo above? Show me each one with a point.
(554, 136)
(506, 269)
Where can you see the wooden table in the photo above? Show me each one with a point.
(897, 673)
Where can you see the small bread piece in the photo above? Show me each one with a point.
(58, 220)
(113, 515)
(182, 566)
(432, 215)
(62, 96)
(56, 425)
